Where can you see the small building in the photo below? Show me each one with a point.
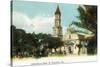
(74, 40)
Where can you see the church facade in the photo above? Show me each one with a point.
(68, 37)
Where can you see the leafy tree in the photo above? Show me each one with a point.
(22, 42)
(27, 44)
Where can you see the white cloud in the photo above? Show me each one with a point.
(37, 24)
(22, 21)
(43, 24)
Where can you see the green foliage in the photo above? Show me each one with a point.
(87, 17)
(88, 20)
(22, 42)
(27, 44)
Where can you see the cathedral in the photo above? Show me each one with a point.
(73, 38)
(57, 29)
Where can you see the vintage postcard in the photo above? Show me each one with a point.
(52, 33)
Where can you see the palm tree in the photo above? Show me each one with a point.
(87, 19)
(88, 22)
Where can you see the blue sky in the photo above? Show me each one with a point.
(43, 10)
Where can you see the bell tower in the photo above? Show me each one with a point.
(57, 25)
